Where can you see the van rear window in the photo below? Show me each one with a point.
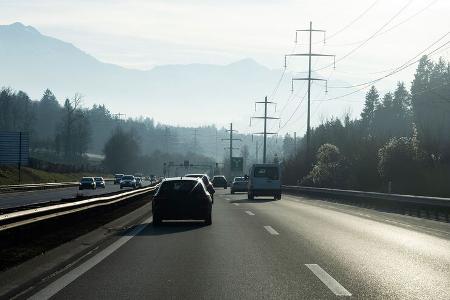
(266, 172)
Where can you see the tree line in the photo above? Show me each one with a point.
(66, 132)
(400, 142)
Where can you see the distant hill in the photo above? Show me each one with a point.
(174, 94)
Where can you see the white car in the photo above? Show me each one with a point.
(264, 180)
(239, 184)
(128, 181)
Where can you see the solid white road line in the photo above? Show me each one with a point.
(329, 281)
(237, 204)
(249, 213)
(68, 278)
(271, 230)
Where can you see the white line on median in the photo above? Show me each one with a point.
(271, 230)
(329, 281)
(68, 278)
(249, 213)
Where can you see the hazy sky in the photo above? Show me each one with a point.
(144, 33)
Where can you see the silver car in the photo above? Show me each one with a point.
(128, 181)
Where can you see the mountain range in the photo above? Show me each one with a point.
(191, 94)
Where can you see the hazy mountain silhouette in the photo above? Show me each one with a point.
(33, 62)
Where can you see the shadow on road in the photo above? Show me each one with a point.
(168, 227)
(254, 201)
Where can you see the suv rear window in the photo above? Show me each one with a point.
(177, 186)
(266, 172)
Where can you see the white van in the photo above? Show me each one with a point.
(264, 180)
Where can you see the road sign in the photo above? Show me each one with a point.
(237, 164)
(14, 148)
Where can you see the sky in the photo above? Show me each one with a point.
(368, 37)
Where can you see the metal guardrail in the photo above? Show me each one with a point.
(23, 217)
(36, 186)
(403, 203)
(39, 186)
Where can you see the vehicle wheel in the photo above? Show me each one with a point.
(232, 193)
(156, 220)
(250, 196)
(278, 197)
(121, 187)
(208, 219)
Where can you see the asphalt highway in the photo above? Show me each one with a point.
(16, 199)
(294, 248)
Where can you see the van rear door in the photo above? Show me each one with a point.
(266, 177)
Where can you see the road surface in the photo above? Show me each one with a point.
(8, 200)
(294, 248)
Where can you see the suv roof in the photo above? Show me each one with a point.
(182, 178)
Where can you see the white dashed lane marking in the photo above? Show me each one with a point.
(329, 281)
(249, 213)
(271, 230)
(237, 204)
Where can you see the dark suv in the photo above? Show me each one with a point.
(182, 198)
(118, 178)
(220, 181)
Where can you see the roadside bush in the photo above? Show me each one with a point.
(399, 163)
(329, 168)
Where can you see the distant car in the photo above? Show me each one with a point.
(264, 180)
(87, 183)
(182, 198)
(206, 182)
(117, 178)
(99, 182)
(139, 181)
(128, 181)
(239, 184)
(220, 181)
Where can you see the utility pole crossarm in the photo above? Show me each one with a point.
(269, 118)
(265, 133)
(263, 102)
(306, 78)
(310, 30)
(307, 54)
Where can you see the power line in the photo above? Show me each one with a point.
(401, 67)
(298, 106)
(351, 22)
(367, 84)
(392, 27)
(368, 39)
